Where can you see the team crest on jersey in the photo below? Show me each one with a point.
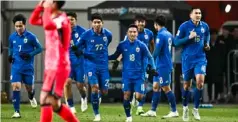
(14, 41)
(137, 49)
(146, 36)
(92, 41)
(76, 35)
(90, 74)
(25, 40)
(202, 30)
(104, 38)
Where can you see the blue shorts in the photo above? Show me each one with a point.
(132, 85)
(164, 77)
(190, 70)
(26, 76)
(98, 76)
(77, 73)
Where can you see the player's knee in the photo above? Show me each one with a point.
(16, 86)
(155, 87)
(139, 97)
(186, 86)
(200, 85)
(80, 86)
(126, 96)
(95, 88)
(68, 84)
(166, 89)
(43, 97)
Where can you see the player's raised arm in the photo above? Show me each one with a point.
(48, 22)
(37, 45)
(36, 18)
(116, 54)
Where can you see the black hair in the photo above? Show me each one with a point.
(96, 16)
(133, 26)
(19, 17)
(191, 10)
(140, 17)
(160, 20)
(72, 14)
(60, 3)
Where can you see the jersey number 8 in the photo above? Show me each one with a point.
(132, 57)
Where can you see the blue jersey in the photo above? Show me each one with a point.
(134, 54)
(145, 36)
(95, 48)
(25, 43)
(75, 37)
(162, 53)
(193, 49)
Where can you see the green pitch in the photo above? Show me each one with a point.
(115, 113)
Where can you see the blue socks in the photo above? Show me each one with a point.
(16, 101)
(197, 97)
(155, 100)
(95, 102)
(171, 99)
(185, 97)
(70, 102)
(127, 107)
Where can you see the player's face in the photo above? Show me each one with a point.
(97, 25)
(140, 24)
(19, 27)
(196, 15)
(72, 21)
(132, 33)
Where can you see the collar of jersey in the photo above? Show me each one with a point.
(191, 22)
(162, 29)
(102, 32)
(75, 28)
(24, 33)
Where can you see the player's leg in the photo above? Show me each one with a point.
(187, 76)
(16, 79)
(155, 98)
(68, 90)
(61, 109)
(28, 80)
(139, 93)
(141, 103)
(165, 84)
(200, 71)
(80, 78)
(127, 88)
(93, 81)
(45, 97)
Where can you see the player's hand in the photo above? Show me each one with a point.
(47, 3)
(25, 56)
(41, 3)
(115, 64)
(206, 47)
(10, 59)
(78, 53)
(153, 72)
(192, 35)
(74, 48)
